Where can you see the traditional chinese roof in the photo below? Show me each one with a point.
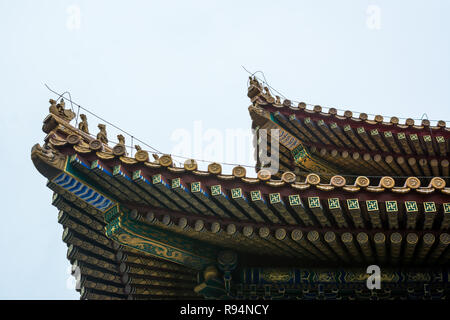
(232, 210)
(349, 144)
(140, 229)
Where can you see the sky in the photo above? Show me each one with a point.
(170, 73)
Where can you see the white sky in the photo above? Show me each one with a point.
(157, 67)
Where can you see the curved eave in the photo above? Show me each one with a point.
(302, 111)
(357, 145)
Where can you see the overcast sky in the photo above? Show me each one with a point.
(167, 69)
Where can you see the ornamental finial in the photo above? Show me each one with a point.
(102, 135)
(59, 110)
(83, 125)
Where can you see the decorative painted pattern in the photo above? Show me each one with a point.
(160, 243)
(391, 206)
(372, 205)
(296, 276)
(411, 206)
(258, 199)
(279, 205)
(429, 206)
(183, 190)
(333, 203)
(222, 198)
(446, 207)
(241, 200)
(82, 191)
(198, 191)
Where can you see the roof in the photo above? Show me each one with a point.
(142, 229)
(207, 202)
(355, 144)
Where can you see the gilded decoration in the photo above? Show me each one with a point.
(165, 160)
(239, 172)
(325, 276)
(362, 181)
(338, 181)
(48, 160)
(276, 275)
(215, 168)
(264, 175)
(119, 149)
(73, 139)
(83, 125)
(295, 276)
(59, 110)
(437, 183)
(141, 156)
(387, 182)
(412, 183)
(288, 177)
(161, 243)
(96, 145)
(190, 165)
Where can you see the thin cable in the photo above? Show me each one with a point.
(78, 113)
(252, 74)
(62, 96)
